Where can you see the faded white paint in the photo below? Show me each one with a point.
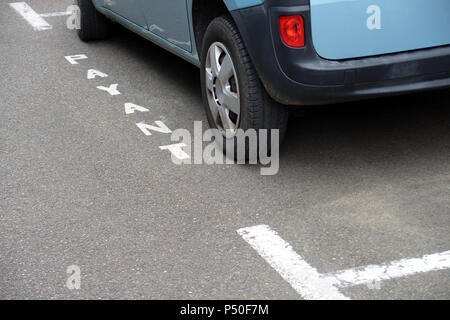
(33, 18)
(131, 108)
(92, 73)
(176, 151)
(112, 89)
(73, 59)
(394, 269)
(55, 14)
(160, 127)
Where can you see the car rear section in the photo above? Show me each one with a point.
(353, 49)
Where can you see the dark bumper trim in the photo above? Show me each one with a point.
(302, 77)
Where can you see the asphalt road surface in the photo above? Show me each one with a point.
(360, 184)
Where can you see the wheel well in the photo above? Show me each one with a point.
(203, 12)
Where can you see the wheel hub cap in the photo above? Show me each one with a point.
(222, 89)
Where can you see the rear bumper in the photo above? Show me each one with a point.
(299, 76)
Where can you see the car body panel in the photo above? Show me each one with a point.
(169, 20)
(151, 20)
(128, 9)
(241, 4)
(343, 29)
(190, 56)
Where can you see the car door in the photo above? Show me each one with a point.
(128, 9)
(168, 20)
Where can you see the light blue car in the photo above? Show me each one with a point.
(258, 56)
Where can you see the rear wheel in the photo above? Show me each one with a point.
(233, 95)
(93, 25)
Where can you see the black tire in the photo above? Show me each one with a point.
(93, 25)
(258, 109)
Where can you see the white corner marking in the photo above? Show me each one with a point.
(311, 284)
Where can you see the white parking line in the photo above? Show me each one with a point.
(56, 14)
(306, 280)
(311, 284)
(34, 19)
(394, 269)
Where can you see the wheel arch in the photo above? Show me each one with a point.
(204, 11)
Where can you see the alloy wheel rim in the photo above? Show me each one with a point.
(222, 89)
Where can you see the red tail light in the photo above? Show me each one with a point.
(292, 30)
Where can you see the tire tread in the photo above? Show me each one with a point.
(94, 25)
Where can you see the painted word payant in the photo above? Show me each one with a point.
(113, 90)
